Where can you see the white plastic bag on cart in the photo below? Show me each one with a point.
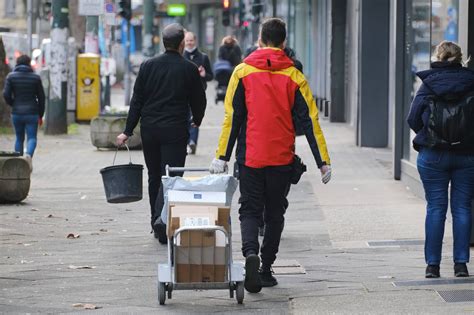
(219, 183)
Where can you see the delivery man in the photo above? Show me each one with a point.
(265, 93)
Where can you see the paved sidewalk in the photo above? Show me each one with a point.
(327, 231)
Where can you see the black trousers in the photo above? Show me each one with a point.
(263, 192)
(161, 147)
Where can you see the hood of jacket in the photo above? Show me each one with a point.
(446, 78)
(272, 59)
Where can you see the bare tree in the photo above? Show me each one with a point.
(5, 110)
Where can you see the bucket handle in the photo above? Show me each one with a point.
(129, 155)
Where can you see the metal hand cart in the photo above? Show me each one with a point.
(168, 272)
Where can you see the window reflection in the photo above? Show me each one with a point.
(421, 43)
(444, 21)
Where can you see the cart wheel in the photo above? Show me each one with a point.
(162, 292)
(169, 289)
(240, 292)
(231, 291)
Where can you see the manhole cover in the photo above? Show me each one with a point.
(394, 243)
(288, 267)
(432, 282)
(457, 296)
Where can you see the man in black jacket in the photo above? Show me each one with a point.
(201, 60)
(166, 88)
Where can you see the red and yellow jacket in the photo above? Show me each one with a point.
(264, 94)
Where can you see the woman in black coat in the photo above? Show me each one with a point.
(443, 163)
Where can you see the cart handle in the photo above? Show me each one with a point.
(185, 169)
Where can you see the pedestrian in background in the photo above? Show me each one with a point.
(230, 51)
(23, 91)
(166, 89)
(201, 60)
(441, 115)
(265, 91)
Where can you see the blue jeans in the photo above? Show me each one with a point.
(28, 123)
(437, 170)
(193, 134)
(193, 131)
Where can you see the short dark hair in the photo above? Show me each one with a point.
(273, 32)
(23, 60)
(173, 35)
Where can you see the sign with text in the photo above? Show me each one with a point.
(91, 7)
(177, 9)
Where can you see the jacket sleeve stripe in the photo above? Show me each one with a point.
(312, 112)
(225, 143)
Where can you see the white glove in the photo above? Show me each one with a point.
(325, 173)
(218, 166)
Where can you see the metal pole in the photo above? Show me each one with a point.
(56, 118)
(29, 12)
(149, 10)
(126, 76)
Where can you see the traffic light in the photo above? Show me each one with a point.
(226, 12)
(125, 9)
(242, 12)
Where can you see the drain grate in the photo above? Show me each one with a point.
(432, 282)
(393, 243)
(457, 296)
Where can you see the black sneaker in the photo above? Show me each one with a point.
(252, 279)
(432, 271)
(159, 229)
(460, 270)
(267, 278)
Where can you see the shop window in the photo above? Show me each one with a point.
(444, 21)
(419, 49)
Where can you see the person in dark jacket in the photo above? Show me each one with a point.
(166, 89)
(441, 167)
(230, 51)
(201, 60)
(23, 91)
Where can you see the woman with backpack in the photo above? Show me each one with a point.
(441, 115)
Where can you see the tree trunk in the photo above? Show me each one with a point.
(79, 22)
(5, 110)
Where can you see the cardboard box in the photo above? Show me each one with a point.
(221, 216)
(207, 273)
(200, 264)
(188, 273)
(197, 238)
(219, 273)
(190, 216)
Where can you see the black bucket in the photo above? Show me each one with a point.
(123, 183)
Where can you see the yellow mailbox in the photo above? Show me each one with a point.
(88, 87)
